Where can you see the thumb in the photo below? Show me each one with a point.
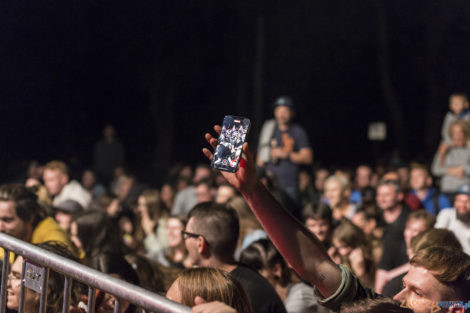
(198, 300)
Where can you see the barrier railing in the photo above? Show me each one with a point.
(36, 278)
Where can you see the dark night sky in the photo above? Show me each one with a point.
(154, 68)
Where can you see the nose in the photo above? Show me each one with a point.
(2, 227)
(399, 296)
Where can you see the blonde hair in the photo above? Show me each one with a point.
(57, 165)
(341, 179)
(212, 285)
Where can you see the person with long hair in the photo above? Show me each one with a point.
(204, 284)
(176, 254)
(263, 257)
(93, 233)
(351, 248)
(55, 286)
(151, 222)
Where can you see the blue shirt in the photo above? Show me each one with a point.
(428, 201)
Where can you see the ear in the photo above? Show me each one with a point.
(202, 246)
(64, 179)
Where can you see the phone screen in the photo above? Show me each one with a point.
(229, 149)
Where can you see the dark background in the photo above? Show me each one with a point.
(164, 71)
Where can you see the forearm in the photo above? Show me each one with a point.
(299, 246)
(304, 156)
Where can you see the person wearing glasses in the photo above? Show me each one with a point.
(211, 237)
(435, 274)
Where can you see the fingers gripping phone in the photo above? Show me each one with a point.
(228, 152)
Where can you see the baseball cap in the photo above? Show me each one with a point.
(464, 189)
(284, 101)
(69, 206)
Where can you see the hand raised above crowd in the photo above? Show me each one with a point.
(244, 179)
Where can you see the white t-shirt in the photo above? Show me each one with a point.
(448, 219)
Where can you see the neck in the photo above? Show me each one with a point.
(422, 193)
(226, 265)
(283, 127)
(392, 214)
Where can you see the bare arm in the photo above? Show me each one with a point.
(295, 242)
(303, 156)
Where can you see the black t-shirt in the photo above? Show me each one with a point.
(263, 297)
(394, 253)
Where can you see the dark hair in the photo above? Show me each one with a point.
(26, 202)
(219, 225)
(372, 212)
(434, 237)
(150, 276)
(262, 254)
(378, 305)
(393, 183)
(97, 234)
(55, 285)
(320, 211)
(116, 264)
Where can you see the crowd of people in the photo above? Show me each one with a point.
(274, 236)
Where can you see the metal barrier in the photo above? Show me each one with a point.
(37, 279)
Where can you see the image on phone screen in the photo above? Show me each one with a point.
(229, 149)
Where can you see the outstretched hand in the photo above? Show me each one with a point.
(244, 179)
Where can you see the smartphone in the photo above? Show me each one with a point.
(228, 152)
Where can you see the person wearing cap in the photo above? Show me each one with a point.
(284, 146)
(457, 219)
(64, 212)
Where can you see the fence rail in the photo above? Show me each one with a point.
(75, 271)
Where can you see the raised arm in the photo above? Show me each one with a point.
(295, 242)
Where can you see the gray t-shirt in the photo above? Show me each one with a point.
(447, 219)
(300, 299)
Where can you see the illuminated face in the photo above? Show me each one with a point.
(418, 179)
(319, 227)
(31, 301)
(283, 115)
(363, 175)
(413, 228)
(342, 248)
(191, 244)
(387, 197)
(462, 206)
(174, 227)
(10, 223)
(142, 206)
(458, 136)
(458, 104)
(224, 193)
(54, 180)
(420, 285)
(64, 220)
(333, 192)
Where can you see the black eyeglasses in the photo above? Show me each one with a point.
(187, 234)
